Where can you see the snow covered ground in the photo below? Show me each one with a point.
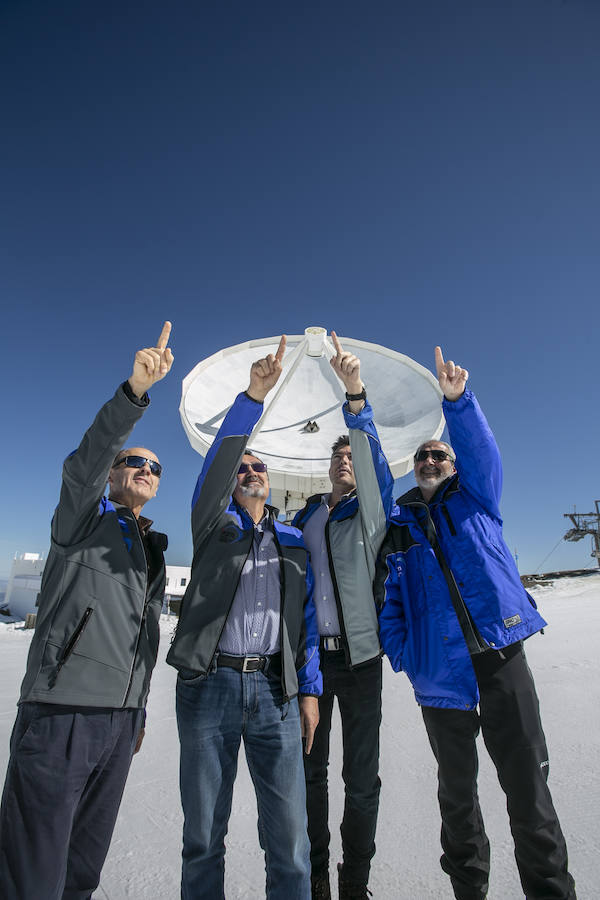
(144, 857)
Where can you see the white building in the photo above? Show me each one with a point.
(24, 583)
(25, 579)
(178, 578)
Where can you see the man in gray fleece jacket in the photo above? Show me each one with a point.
(82, 705)
(343, 531)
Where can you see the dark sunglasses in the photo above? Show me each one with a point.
(255, 466)
(138, 462)
(436, 455)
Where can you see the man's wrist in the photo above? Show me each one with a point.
(253, 397)
(136, 393)
(360, 394)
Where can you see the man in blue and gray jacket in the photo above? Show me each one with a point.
(454, 619)
(246, 646)
(82, 706)
(343, 530)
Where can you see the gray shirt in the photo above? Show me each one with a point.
(324, 595)
(252, 626)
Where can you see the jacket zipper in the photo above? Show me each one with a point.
(474, 644)
(237, 584)
(446, 513)
(142, 619)
(70, 645)
(336, 595)
(286, 698)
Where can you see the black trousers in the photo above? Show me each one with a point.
(64, 783)
(512, 731)
(358, 693)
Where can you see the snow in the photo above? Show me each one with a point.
(144, 859)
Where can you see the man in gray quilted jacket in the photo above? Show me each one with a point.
(82, 706)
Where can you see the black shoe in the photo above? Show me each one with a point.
(352, 890)
(319, 886)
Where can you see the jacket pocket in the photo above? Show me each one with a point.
(70, 644)
(190, 677)
(531, 600)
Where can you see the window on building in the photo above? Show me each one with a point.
(183, 582)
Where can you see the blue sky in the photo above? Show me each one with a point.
(407, 173)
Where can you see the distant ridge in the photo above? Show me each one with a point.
(529, 580)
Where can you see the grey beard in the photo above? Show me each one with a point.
(255, 490)
(431, 482)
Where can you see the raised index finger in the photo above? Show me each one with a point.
(164, 336)
(336, 343)
(439, 360)
(281, 348)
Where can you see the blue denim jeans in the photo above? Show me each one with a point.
(213, 713)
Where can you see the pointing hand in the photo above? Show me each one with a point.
(151, 364)
(346, 366)
(265, 372)
(451, 377)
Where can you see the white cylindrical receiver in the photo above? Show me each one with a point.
(315, 335)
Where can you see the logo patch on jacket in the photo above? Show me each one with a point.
(229, 534)
(512, 621)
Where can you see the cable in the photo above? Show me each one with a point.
(549, 555)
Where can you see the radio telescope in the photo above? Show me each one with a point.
(302, 415)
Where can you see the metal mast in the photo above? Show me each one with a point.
(586, 523)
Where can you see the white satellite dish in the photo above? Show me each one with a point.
(302, 415)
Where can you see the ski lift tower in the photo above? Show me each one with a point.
(586, 523)
(302, 416)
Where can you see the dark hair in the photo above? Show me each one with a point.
(342, 441)
(250, 452)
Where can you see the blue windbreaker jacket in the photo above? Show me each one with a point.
(474, 579)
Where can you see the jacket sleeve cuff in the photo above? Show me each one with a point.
(139, 401)
(315, 691)
(360, 419)
(465, 399)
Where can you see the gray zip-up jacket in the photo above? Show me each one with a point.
(97, 629)
(223, 533)
(354, 533)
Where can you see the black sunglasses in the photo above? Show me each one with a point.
(255, 466)
(138, 462)
(437, 455)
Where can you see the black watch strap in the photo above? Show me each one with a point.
(361, 396)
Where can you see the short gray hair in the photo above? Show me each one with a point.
(449, 449)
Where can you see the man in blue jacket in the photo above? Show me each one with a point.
(454, 619)
(343, 530)
(82, 705)
(246, 646)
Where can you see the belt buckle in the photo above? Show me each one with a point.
(333, 643)
(251, 664)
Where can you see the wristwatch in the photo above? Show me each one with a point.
(361, 396)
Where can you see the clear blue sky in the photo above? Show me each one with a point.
(408, 173)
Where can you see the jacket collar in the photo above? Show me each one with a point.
(144, 524)
(244, 515)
